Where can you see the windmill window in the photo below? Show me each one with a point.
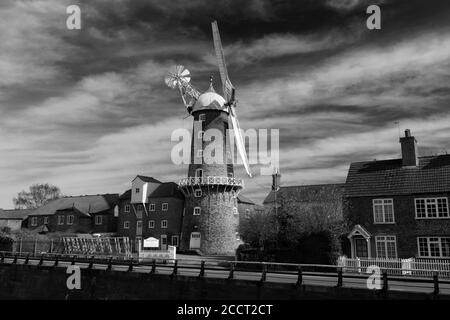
(198, 193)
(197, 211)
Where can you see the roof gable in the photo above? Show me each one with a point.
(146, 179)
(167, 189)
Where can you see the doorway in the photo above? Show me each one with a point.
(194, 243)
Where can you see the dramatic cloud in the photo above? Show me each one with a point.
(88, 109)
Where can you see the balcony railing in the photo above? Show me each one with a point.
(221, 180)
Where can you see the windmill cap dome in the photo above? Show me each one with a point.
(210, 100)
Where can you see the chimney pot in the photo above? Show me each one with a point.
(410, 154)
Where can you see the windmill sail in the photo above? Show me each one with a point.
(239, 140)
(227, 87)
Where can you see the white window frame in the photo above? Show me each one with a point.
(429, 242)
(199, 209)
(165, 206)
(70, 219)
(383, 203)
(235, 211)
(46, 219)
(151, 224)
(427, 214)
(198, 193)
(383, 240)
(127, 208)
(163, 236)
(34, 221)
(126, 224)
(178, 241)
(164, 224)
(98, 220)
(152, 207)
(61, 220)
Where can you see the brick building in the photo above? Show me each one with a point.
(399, 207)
(151, 208)
(79, 214)
(14, 219)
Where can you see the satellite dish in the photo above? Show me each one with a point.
(177, 76)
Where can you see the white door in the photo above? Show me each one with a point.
(195, 240)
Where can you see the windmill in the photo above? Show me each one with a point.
(179, 77)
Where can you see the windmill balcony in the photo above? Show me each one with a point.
(211, 180)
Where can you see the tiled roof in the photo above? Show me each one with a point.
(243, 199)
(126, 195)
(388, 177)
(307, 193)
(18, 214)
(85, 204)
(167, 189)
(148, 179)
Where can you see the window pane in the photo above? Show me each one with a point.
(431, 208)
(442, 207)
(423, 247)
(420, 208)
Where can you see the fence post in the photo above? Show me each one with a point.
(299, 276)
(109, 267)
(27, 259)
(41, 260)
(130, 266)
(153, 267)
(231, 275)
(264, 273)
(175, 269)
(15, 259)
(56, 261)
(339, 282)
(3, 257)
(35, 247)
(436, 283)
(202, 269)
(385, 282)
(91, 263)
(51, 246)
(73, 260)
(20, 245)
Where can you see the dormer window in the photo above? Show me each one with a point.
(198, 193)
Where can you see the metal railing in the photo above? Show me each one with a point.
(211, 180)
(296, 274)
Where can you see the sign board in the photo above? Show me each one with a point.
(151, 243)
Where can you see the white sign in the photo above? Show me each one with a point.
(151, 243)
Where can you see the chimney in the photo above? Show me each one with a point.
(410, 156)
(276, 177)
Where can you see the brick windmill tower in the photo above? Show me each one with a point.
(211, 218)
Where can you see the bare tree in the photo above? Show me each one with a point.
(38, 195)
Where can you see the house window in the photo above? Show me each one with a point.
(383, 211)
(45, 220)
(198, 193)
(165, 206)
(175, 241)
(202, 117)
(386, 247)
(126, 225)
(60, 220)
(197, 211)
(433, 247)
(151, 224)
(139, 208)
(235, 211)
(127, 208)
(431, 208)
(137, 190)
(98, 220)
(34, 221)
(163, 224)
(152, 207)
(70, 219)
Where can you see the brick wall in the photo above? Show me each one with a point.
(359, 210)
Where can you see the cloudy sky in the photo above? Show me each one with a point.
(87, 109)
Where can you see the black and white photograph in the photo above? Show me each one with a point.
(225, 158)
